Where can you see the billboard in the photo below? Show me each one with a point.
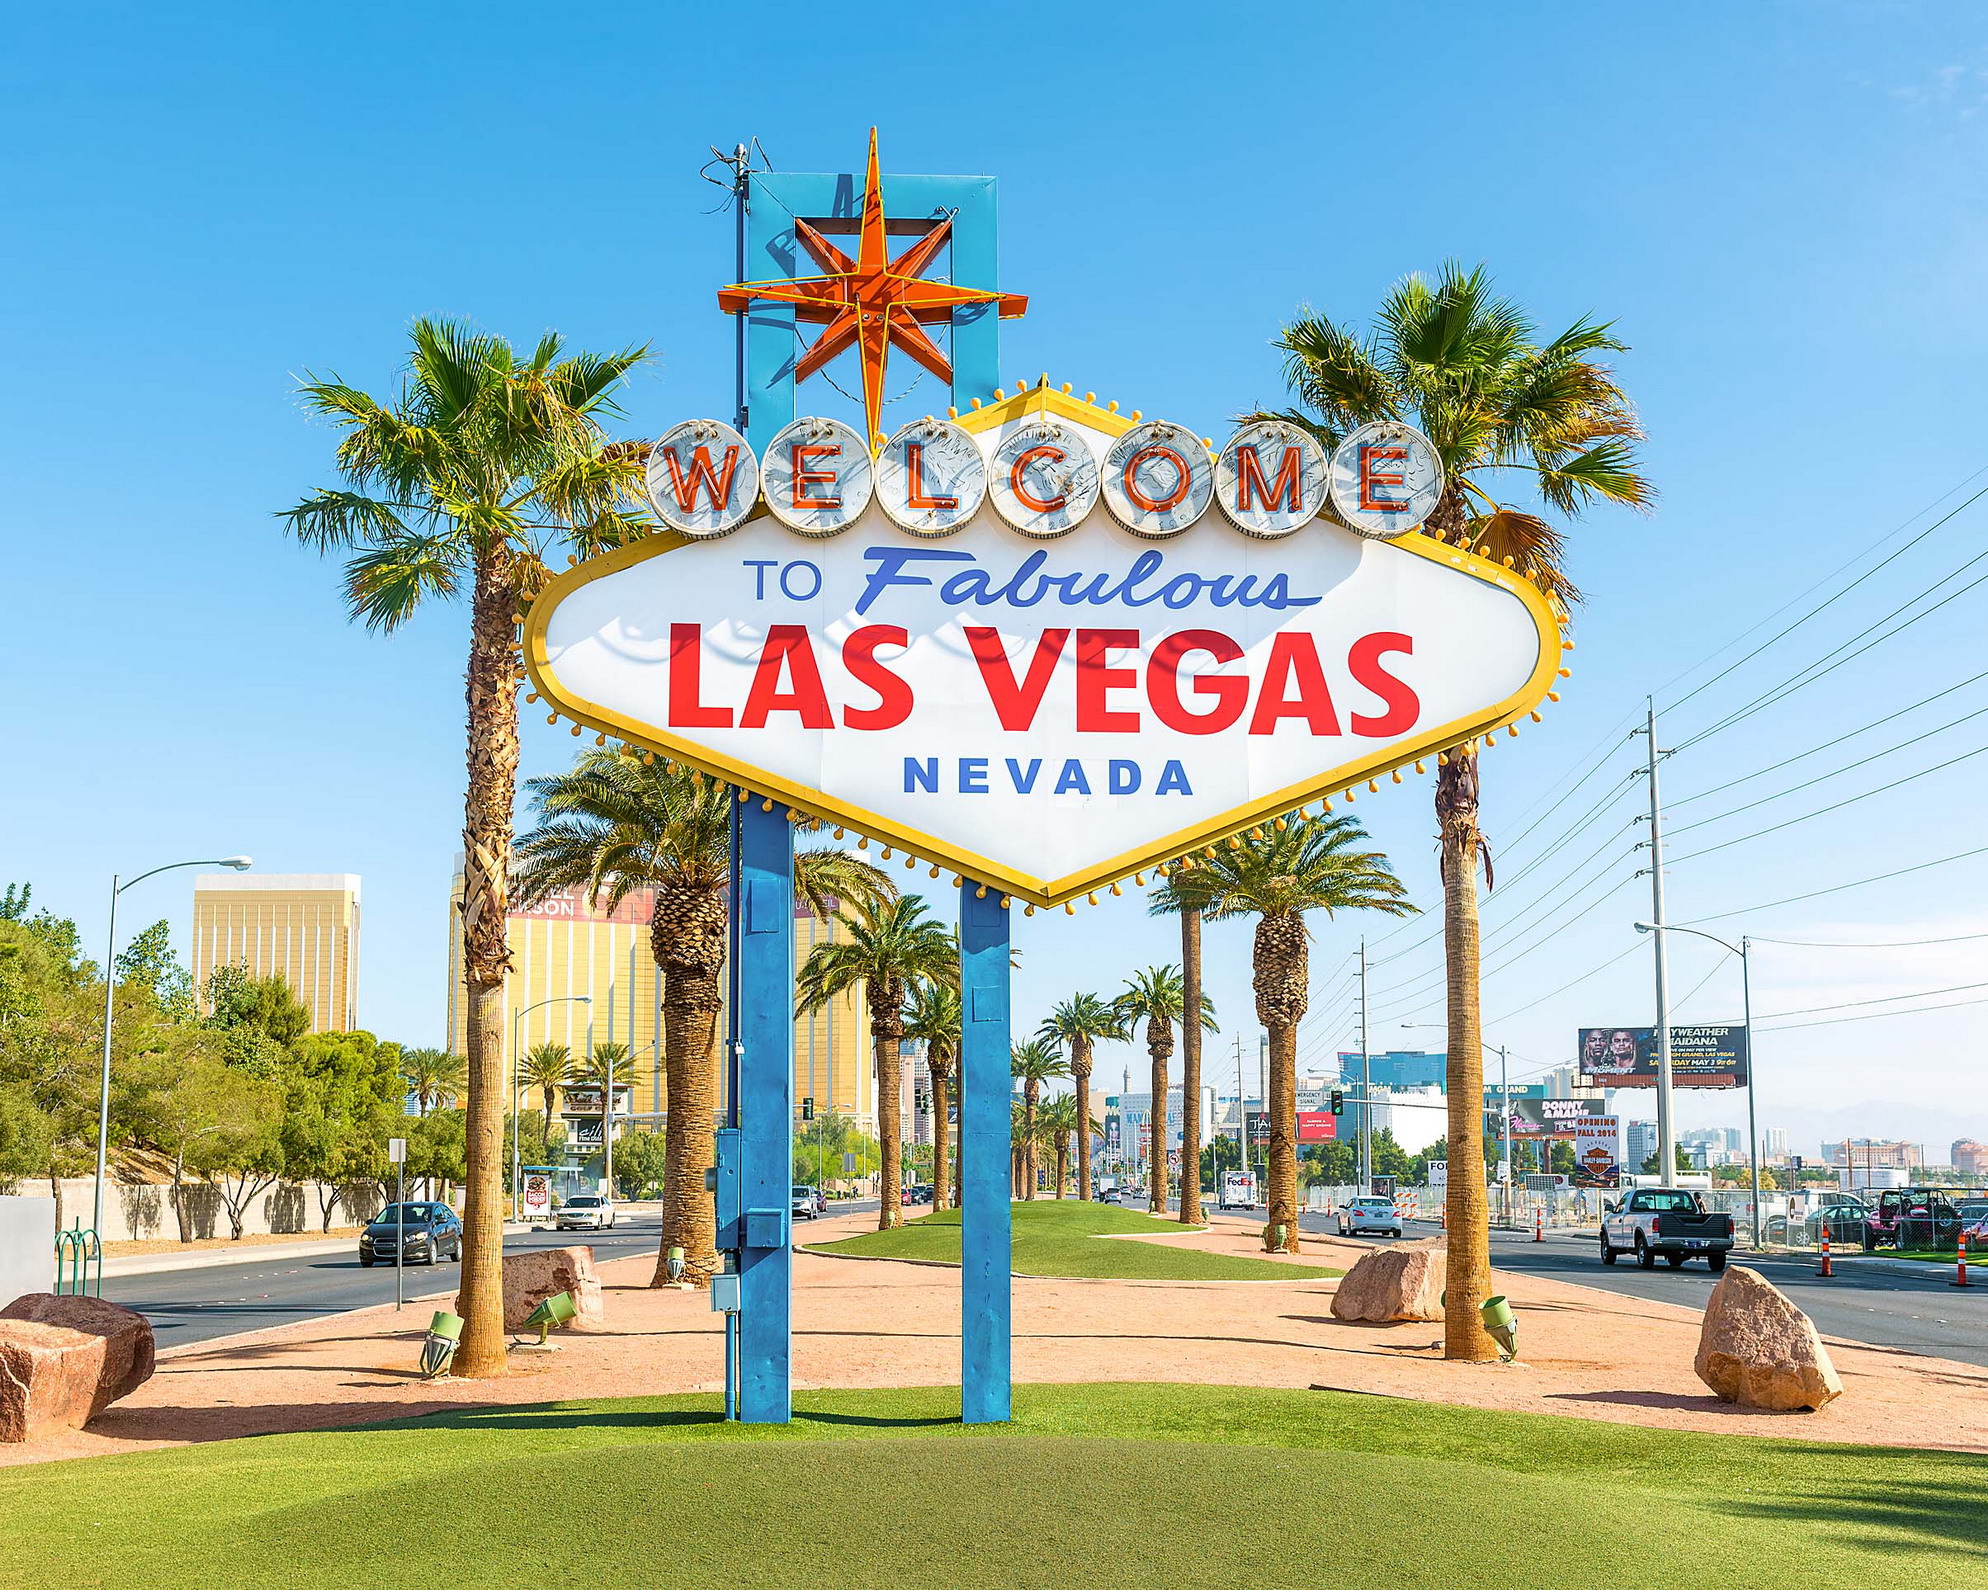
(1258, 1124)
(1700, 1057)
(1536, 1118)
(1317, 1126)
(1598, 1151)
(1102, 658)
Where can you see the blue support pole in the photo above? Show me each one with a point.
(985, 1209)
(765, 1113)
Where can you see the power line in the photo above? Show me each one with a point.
(1590, 972)
(1883, 999)
(1837, 806)
(1836, 888)
(1876, 1015)
(1875, 944)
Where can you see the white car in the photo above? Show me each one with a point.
(586, 1212)
(1376, 1216)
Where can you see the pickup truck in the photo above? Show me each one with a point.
(1671, 1221)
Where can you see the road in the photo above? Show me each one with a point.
(1882, 1308)
(224, 1299)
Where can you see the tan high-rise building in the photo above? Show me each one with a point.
(561, 947)
(302, 926)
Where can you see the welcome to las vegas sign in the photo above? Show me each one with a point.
(1041, 642)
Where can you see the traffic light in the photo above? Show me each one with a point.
(1338, 1101)
(808, 1109)
(1795, 1161)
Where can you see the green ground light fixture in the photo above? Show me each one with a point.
(1501, 1325)
(553, 1312)
(438, 1348)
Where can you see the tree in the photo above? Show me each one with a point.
(437, 1149)
(1059, 1121)
(1468, 368)
(932, 1018)
(1277, 874)
(434, 1076)
(461, 484)
(1390, 1158)
(258, 1019)
(890, 945)
(342, 1093)
(1331, 1165)
(27, 1134)
(1156, 996)
(1079, 1023)
(618, 823)
(1032, 1064)
(640, 1164)
(818, 1156)
(545, 1067)
(149, 961)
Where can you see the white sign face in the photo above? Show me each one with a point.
(818, 476)
(538, 1194)
(1043, 477)
(1157, 479)
(931, 478)
(1386, 479)
(1046, 717)
(1271, 478)
(396, 1151)
(703, 479)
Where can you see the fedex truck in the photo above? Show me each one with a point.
(1237, 1190)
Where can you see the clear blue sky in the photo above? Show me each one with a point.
(1780, 204)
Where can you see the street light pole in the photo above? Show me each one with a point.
(1743, 950)
(517, 1024)
(1366, 1084)
(1666, 1149)
(239, 864)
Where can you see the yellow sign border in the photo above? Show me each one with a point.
(1021, 885)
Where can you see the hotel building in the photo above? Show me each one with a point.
(301, 926)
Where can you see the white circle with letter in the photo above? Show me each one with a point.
(1043, 478)
(931, 478)
(1270, 478)
(702, 478)
(1157, 479)
(818, 476)
(1386, 479)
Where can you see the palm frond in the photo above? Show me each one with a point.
(385, 584)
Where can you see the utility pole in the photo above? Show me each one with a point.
(1366, 1083)
(1242, 1111)
(1263, 1086)
(1666, 1143)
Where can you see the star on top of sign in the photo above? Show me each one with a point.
(871, 302)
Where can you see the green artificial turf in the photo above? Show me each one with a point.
(1058, 1237)
(1091, 1486)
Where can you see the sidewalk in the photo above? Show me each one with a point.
(1585, 1353)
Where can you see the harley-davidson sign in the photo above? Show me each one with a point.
(1023, 652)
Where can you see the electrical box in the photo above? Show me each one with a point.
(725, 1294)
(766, 1228)
(728, 1190)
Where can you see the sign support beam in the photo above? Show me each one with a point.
(766, 1113)
(986, 1243)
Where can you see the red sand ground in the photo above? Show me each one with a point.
(1588, 1353)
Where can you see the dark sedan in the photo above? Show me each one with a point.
(428, 1234)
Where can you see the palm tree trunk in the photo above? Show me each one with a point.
(687, 940)
(1030, 1090)
(886, 1029)
(492, 701)
(1282, 981)
(942, 1134)
(1080, 1068)
(1190, 1068)
(1159, 1044)
(1467, 1210)
(1062, 1164)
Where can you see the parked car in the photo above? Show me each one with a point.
(1914, 1217)
(918, 1193)
(432, 1235)
(585, 1212)
(1671, 1221)
(1842, 1215)
(1369, 1215)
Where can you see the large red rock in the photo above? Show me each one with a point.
(1758, 1350)
(532, 1277)
(63, 1360)
(1404, 1281)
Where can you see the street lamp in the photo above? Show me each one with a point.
(1504, 1124)
(517, 1024)
(239, 864)
(1746, 1006)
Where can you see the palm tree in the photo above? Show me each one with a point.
(932, 1017)
(618, 823)
(1470, 370)
(434, 1076)
(1058, 1119)
(1156, 997)
(460, 485)
(609, 1064)
(1077, 1024)
(1276, 874)
(544, 1067)
(891, 946)
(1032, 1064)
(1190, 1068)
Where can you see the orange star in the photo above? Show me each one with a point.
(872, 301)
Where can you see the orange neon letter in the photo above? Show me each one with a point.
(914, 480)
(1287, 490)
(805, 477)
(1138, 495)
(1019, 485)
(717, 481)
(1370, 455)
